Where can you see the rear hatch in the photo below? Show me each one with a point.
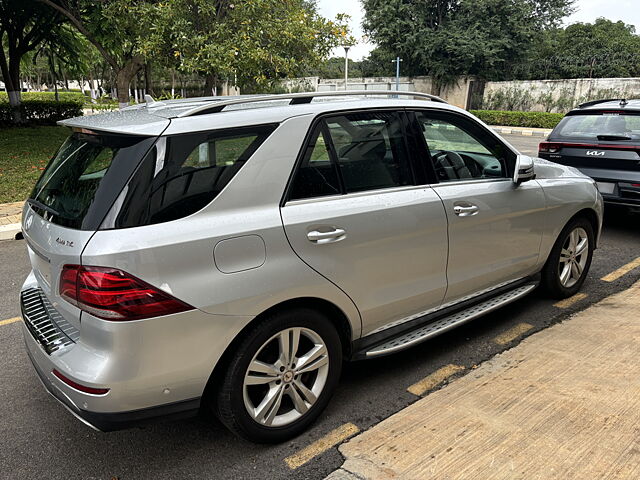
(70, 200)
(603, 144)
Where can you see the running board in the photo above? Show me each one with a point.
(444, 324)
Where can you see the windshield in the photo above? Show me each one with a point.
(80, 182)
(600, 126)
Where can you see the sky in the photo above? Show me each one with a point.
(586, 11)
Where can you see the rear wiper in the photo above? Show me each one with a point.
(613, 137)
(44, 207)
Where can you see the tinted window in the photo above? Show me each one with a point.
(317, 175)
(458, 151)
(182, 174)
(81, 181)
(605, 125)
(353, 153)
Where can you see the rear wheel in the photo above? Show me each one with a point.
(569, 261)
(281, 376)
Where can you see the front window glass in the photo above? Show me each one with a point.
(456, 153)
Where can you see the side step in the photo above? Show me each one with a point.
(447, 323)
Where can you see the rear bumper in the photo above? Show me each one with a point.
(624, 192)
(107, 422)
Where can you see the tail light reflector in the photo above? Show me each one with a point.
(112, 294)
(78, 386)
(549, 147)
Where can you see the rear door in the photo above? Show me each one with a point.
(359, 213)
(69, 201)
(495, 227)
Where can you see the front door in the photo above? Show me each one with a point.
(356, 214)
(495, 226)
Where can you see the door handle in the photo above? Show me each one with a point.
(467, 211)
(331, 236)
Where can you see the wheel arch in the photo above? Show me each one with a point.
(334, 313)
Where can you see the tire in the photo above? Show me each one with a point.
(555, 279)
(284, 392)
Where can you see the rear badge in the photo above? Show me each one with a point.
(28, 222)
(595, 153)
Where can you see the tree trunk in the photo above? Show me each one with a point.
(123, 80)
(148, 81)
(210, 85)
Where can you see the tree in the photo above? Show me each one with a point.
(600, 49)
(449, 38)
(23, 27)
(115, 28)
(250, 42)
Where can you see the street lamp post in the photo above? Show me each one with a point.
(397, 62)
(346, 65)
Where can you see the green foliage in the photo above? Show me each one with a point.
(519, 119)
(449, 38)
(255, 42)
(584, 50)
(40, 112)
(48, 96)
(24, 152)
(510, 98)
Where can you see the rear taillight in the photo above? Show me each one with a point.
(80, 387)
(549, 147)
(112, 294)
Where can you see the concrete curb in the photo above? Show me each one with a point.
(525, 132)
(9, 232)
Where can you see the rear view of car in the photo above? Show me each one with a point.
(602, 140)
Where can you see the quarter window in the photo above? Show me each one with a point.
(460, 153)
(353, 153)
(183, 173)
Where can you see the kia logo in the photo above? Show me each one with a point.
(595, 153)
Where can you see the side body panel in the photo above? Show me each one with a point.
(501, 242)
(393, 257)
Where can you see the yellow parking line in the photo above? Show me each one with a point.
(10, 320)
(567, 302)
(321, 445)
(512, 333)
(623, 270)
(433, 380)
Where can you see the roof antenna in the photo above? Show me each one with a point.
(623, 102)
(149, 100)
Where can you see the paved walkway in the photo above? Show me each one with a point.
(10, 217)
(564, 404)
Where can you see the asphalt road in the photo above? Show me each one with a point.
(39, 439)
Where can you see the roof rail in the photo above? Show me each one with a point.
(622, 101)
(299, 98)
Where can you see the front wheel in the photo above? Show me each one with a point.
(569, 261)
(281, 376)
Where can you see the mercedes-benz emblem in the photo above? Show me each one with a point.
(28, 222)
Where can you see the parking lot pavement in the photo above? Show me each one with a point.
(40, 439)
(569, 394)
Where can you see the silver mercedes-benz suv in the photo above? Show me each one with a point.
(231, 253)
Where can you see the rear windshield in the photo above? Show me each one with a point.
(80, 182)
(600, 126)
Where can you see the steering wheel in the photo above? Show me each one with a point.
(454, 164)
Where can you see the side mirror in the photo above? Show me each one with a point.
(524, 170)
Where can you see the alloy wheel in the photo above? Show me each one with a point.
(573, 257)
(285, 377)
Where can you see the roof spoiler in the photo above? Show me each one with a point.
(623, 102)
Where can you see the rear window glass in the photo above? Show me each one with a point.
(181, 174)
(78, 185)
(607, 126)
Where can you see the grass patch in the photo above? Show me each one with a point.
(24, 152)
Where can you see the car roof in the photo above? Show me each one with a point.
(198, 114)
(618, 104)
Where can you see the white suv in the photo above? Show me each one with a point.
(230, 253)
